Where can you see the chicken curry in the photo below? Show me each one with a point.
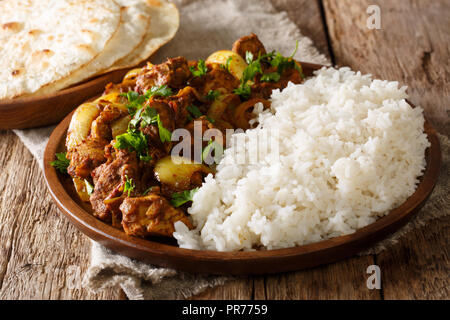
(119, 145)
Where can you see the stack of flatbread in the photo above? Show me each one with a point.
(48, 45)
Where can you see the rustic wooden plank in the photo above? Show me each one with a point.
(259, 288)
(240, 288)
(342, 280)
(418, 266)
(42, 255)
(412, 47)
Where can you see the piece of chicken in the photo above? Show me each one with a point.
(264, 90)
(216, 79)
(89, 132)
(174, 73)
(249, 43)
(109, 181)
(151, 215)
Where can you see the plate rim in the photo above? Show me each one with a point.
(240, 262)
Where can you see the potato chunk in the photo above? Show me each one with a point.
(178, 174)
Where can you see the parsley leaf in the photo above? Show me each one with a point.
(148, 116)
(272, 76)
(133, 140)
(212, 95)
(244, 90)
(145, 157)
(248, 57)
(163, 91)
(194, 111)
(295, 50)
(201, 69)
(61, 163)
(181, 198)
(253, 68)
(164, 134)
(226, 66)
(135, 101)
(283, 63)
(129, 185)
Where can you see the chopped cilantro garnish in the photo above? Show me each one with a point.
(164, 134)
(89, 187)
(163, 91)
(254, 67)
(282, 63)
(226, 66)
(129, 185)
(201, 69)
(248, 57)
(212, 95)
(272, 76)
(133, 140)
(145, 158)
(148, 117)
(61, 163)
(196, 113)
(295, 50)
(244, 90)
(135, 101)
(181, 198)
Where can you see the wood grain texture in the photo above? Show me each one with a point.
(412, 47)
(419, 266)
(342, 280)
(241, 288)
(42, 255)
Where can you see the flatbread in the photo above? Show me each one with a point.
(43, 41)
(164, 23)
(131, 32)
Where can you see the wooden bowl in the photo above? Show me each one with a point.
(22, 113)
(164, 252)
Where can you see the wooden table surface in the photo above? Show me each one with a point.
(40, 250)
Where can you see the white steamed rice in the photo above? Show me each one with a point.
(350, 149)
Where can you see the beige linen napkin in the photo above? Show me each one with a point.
(206, 26)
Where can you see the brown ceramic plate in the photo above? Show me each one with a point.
(22, 113)
(164, 252)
